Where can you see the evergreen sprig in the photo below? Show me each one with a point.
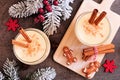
(25, 8)
(44, 74)
(1, 76)
(52, 19)
(11, 70)
(67, 9)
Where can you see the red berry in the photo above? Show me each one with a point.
(45, 2)
(36, 20)
(55, 2)
(48, 8)
(41, 18)
(41, 11)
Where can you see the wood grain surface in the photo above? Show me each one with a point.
(62, 72)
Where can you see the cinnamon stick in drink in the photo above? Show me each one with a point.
(100, 17)
(25, 35)
(14, 42)
(92, 18)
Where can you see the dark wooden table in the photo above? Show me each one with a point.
(62, 72)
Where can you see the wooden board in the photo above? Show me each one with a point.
(72, 42)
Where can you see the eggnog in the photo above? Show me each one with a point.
(36, 51)
(91, 34)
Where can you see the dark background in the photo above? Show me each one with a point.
(62, 72)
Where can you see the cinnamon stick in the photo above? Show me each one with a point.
(88, 49)
(102, 52)
(92, 18)
(14, 42)
(100, 49)
(100, 17)
(86, 57)
(107, 51)
(24, 34)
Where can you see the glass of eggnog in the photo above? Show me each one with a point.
(34, 52)
(89, 33)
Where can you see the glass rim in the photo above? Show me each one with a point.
(47, 50)
(78, 36)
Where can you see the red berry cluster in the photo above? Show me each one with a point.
(55, 2)
(47, 8)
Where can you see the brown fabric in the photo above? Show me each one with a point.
(62, 72)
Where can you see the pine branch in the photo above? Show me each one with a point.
(10, 70)
(67, 9)
(44, 74)
(25, 8)
(52, 21)
(60, 1)
(1, 76)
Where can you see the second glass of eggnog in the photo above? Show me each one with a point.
(38, 49)
(91, 34)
